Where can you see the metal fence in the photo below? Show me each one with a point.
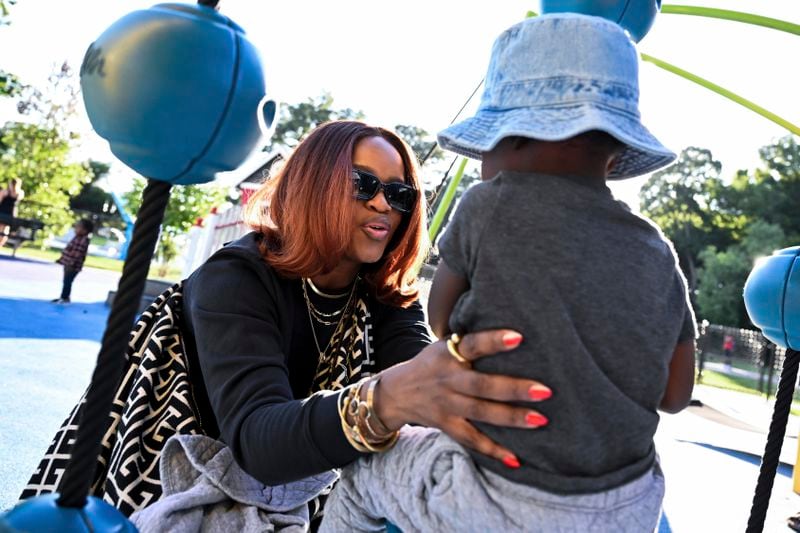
(743, 354)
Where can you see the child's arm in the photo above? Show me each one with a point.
(446, 288)
(681, 378)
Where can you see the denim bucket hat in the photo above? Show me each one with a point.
(555, 76)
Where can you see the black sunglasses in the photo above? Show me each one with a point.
(398, 195)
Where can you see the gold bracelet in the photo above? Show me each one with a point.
(378, 447)
(342, 403)
(350, 403)
(382, 432)
(358, 411)
(361, 411)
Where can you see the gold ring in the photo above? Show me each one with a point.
(452, 347)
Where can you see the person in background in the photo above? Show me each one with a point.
(727, 348)
(9, 200)
(543, 248)
(73, 256)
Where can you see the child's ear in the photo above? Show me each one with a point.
(612, 163)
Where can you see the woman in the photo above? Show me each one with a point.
(9, 198)
(321, 294)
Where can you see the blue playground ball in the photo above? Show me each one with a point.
(43, 515)
(177, 91)
(635, 16)
(772, 297)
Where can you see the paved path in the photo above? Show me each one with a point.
(710, 457)
(47, 354)
(709, 454)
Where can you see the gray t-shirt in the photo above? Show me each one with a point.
(598, 296)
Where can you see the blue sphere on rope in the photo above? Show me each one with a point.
(635, 16)
(772, 297)
(178, 92)
(43, 514)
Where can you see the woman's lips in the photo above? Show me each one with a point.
(377, 232)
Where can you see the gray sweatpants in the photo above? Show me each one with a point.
(428, 482)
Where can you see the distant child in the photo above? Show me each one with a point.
(542, 247)
(73, 257)
(727, 347)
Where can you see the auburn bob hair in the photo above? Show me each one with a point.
(305, 212)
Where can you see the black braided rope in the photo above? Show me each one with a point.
(777, 429)
(80, 470)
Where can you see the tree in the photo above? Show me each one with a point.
(720, 282)
(9, 83)
(186, 204)
(778, 184)
(93, 198)
(723, 275)
(421, 142)
(40, 158)
(684, 200)
(296, 120)
(37, 152)
(4, 11)
(770, 193)
(56, 106)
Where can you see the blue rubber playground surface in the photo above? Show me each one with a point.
(710, 454)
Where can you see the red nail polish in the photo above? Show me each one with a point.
(536, 420)
(537, 393)
(510, 461)
(512, 339)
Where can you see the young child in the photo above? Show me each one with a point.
(543, 248)
(73, 257)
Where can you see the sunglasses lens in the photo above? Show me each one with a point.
(400, 196)
(366, 185)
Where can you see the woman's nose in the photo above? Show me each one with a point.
(379, 203)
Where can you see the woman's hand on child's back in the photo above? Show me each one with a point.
(436, 390)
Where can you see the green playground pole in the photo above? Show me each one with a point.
(723, 92)
(736, 16)
(447, 199)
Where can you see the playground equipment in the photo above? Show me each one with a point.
(174, 90)
(772, 299)
(636, 17)
(129, 223)
(135, 78)
(177, 90)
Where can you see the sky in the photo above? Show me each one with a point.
(417, 61)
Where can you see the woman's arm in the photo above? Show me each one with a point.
(398, 334)
(276, 438)
(234, 310)
(681, 378)
(447, 287)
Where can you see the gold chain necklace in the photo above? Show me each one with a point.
(320, 293)
(321, 317)
(311, 317)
